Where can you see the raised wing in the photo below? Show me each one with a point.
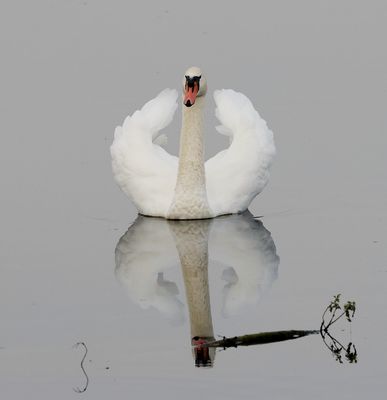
(142, 168)
(236, 175)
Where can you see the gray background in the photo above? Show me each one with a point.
(71, 71)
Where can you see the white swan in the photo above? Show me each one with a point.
(162, 185)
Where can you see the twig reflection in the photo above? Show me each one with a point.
(348, 310)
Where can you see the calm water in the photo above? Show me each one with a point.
(78, 265)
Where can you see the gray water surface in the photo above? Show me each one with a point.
(70, 72)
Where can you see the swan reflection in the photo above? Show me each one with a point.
(239, 244)
(143, 255)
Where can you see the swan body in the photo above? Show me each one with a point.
(162, 185)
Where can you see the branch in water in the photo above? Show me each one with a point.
(259, 338)
(329, 314)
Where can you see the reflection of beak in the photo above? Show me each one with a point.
(191, 90)
(202, 352)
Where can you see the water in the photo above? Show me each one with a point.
(71, 71)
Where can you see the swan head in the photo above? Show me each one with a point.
(194, 85)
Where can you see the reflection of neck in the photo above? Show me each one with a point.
(191, 240)
(190, 201)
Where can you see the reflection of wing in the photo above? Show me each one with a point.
(239, 243)
(143, 169)
(243, 244)
(236, 175)
(143, 254)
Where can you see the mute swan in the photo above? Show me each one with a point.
(163, 185)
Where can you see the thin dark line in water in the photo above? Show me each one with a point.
(78, 389)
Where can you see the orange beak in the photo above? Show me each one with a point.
(191, 90)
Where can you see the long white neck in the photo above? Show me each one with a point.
(190, 200)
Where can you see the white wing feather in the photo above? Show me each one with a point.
(236, 175)
(145, 171)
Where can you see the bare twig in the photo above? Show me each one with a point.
(78, 389)
(258, 338)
